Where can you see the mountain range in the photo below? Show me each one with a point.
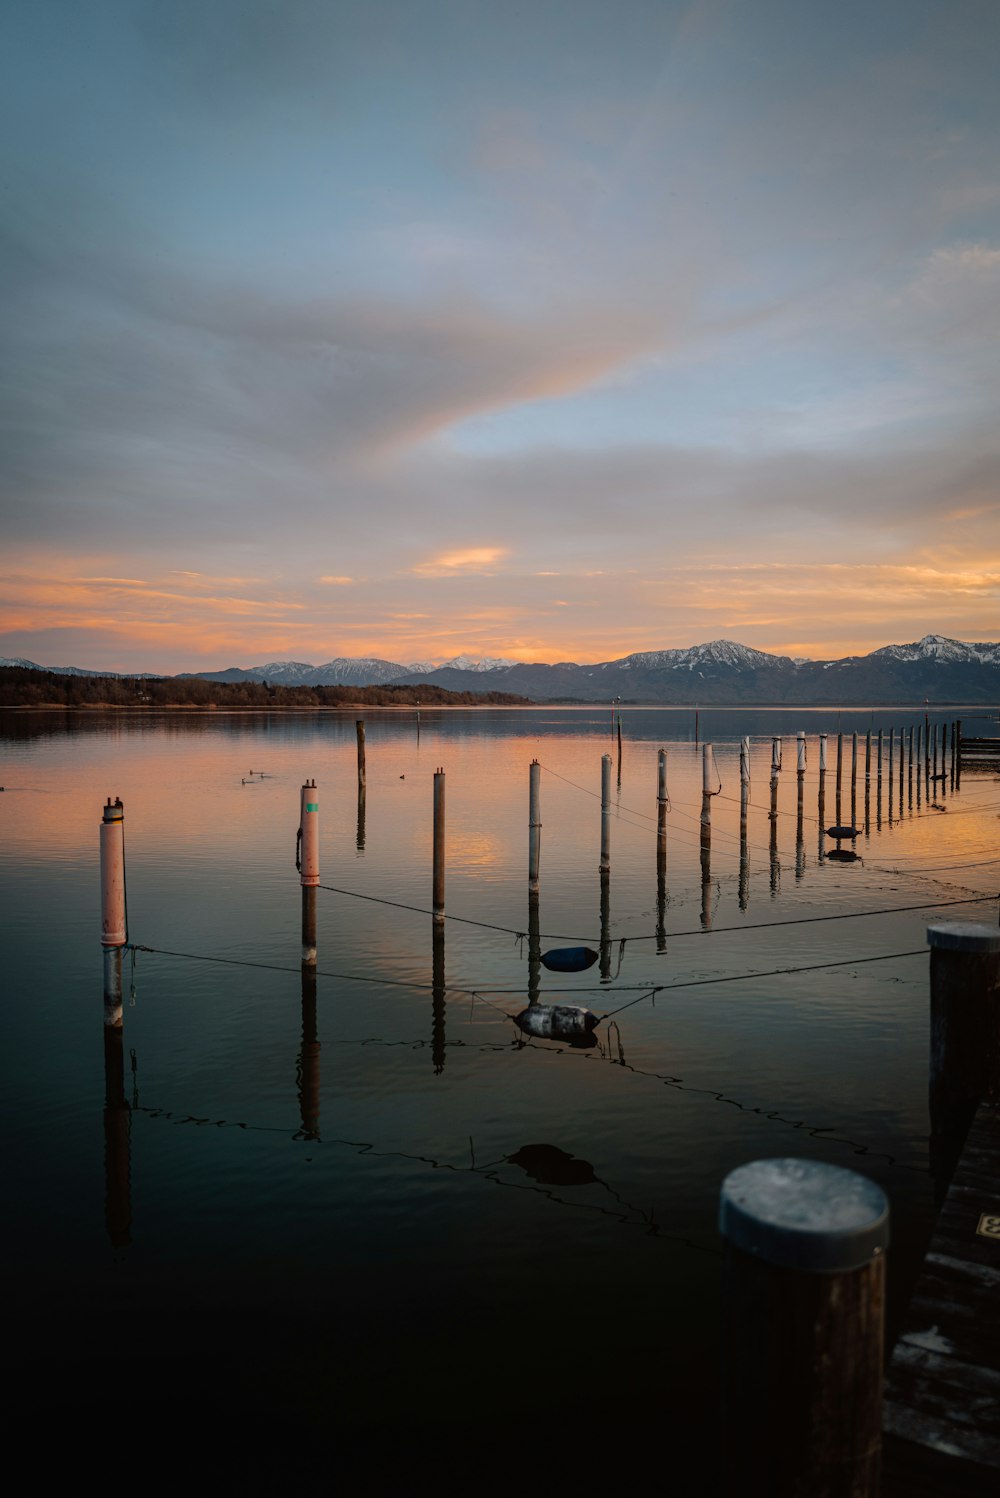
(720, 672)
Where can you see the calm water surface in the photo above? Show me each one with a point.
(326, 1215)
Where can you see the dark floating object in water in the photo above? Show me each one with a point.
(842, 830)
(844, 855)
(550, 1166)
(558, 1022)
(569, 959)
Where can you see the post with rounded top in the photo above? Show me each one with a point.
(534, 824)
(113, 929)
(822, 753)
(965, 1022)
(438, 900)
(605, 865)
(309, 867)
(802, 1327)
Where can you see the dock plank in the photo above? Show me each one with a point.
(942, 1396)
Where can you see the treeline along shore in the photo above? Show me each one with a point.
(22, 687)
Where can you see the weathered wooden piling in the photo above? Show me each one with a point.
(803, 1316)
(661, 811)
(891, 769)
(362, 810)
(114, 932)
(309, 867)
(534, 824)
(360, 725)
(958, 753)
(918, 756)
(821, 800)
(439, 848)
(605, 942)
(965, 1022)
(800, 776)
(868, 757)
(744, 881)
(605, 864)
(534, 949)
(619, 746)
(706, 800)
(840, 766)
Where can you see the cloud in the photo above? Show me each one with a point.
(337, 581)
(474, 559)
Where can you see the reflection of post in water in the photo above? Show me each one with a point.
(117, 1141)
(892, 765)
(919, 752)
(437, 998)
(307, 1072)
(821, 811)
(605, 926)
(909, 772)
(534, 950)
(362, 796)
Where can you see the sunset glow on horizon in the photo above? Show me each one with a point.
(417, 331)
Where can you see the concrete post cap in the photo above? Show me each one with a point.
(963, 936)
(803, 1214)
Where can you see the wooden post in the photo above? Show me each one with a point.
(605, 864)
(605, 943)
(706, 835)
(114, 934)
(958, 753)
(361, 752)
(534, 949)
(362, 806)
(892, 773)
(868, 757)
(661, 812)
(744, 884)
(965, 1021)
(919, 763)
(935, 750)
(803, 1314)
(775, 754)
(438, 893)
(619, 746)
(534, 824)
(909, 769)
(309, 867)
(840, 762)
(822, 753)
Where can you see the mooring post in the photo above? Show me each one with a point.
(935, 735)
(534, 949)
(868, 757)
(892, 761)
(114, 934)
(605, 864)
(840, 764)
(605, 942)
(803, 1312)
(362, 806)
(619, 746)
(800, 775)
(744, 883)
(438, 899)
(534, 824)
(821, 804)
(958, 753)
(919, 762)
(309, 867)
(360, 725)
(965, 1021)
(706, 798)
(661, 813)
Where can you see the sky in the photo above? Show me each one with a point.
(550, 331)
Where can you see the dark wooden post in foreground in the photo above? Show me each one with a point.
(309, 867)
(438, 889)
(534, 824)
(361, 753)
(965, 1022)
(114, 934)
(605, 864)
(802, 1330)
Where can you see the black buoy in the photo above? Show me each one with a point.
(558, 1022)
(569, 959)
(843, 831)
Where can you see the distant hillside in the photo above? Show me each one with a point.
(26, 686)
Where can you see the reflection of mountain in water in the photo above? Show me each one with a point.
(553, 1167)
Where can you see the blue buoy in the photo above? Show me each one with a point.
(569, 959)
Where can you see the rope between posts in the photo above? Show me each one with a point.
(804, 920)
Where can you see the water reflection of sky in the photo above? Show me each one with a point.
(425, 1102)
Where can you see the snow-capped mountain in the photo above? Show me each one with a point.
(940, 648)
(722, 672)
(71, 670)
(473, 663)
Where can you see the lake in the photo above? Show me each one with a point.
(369, 1215)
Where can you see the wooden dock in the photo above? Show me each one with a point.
(942, 1396)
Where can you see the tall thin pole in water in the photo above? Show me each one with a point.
(534, 825)
(605, 813)
(114, 934)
